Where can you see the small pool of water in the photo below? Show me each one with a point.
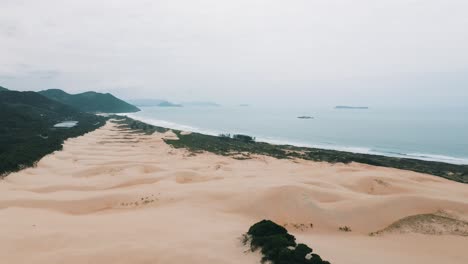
(66, 124)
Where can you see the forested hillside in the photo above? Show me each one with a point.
(27, 130)
(91, 102)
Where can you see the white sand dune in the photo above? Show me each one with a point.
(113, 196)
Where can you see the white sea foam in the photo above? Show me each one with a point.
(171, 125)
(442, 158)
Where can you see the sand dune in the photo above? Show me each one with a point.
(113, 196)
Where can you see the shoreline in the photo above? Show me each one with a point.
(212, 143)
(351, 149)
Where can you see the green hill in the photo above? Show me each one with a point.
(27, 131)
(91, 102)
(2, 89)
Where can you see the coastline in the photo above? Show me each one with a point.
(122, 190)
(212, 143)
(278, 141)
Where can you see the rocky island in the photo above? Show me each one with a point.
(350, 107)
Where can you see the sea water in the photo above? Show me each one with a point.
(66, 124)
(427, 134)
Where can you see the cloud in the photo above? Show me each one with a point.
(223, 50)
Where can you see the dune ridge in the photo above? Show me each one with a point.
(115, 196)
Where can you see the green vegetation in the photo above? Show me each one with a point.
(240, 137)
(27, 130)
(227, 146)
(244, 138)
(278, 246)
(138, 126)
(91, 102)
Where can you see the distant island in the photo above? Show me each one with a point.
(153, 102)
(201, 103)
(169, 104)
(305, 117)
(350, 107)
(244, 105)
(91, 102)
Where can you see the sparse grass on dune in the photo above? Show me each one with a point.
(427, 224)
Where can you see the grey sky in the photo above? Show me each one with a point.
(313, 51)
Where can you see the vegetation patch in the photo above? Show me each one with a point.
(345, 228)
(427, 224)
(299, 227)
(278, 246)
(137, 126)
(240, 137)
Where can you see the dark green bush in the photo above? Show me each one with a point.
(244, 138)
(278, 246)
(225, 136)
(266, 228)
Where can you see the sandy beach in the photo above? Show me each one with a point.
(113, 196)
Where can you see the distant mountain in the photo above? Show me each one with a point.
(169, 104)
(91, 102)
(2, 89)
(201, 103)
(350, 107)
(153, 102)
(27, 130)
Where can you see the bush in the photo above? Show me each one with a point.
(278, 246)
(244, 138)
(225, 136)
(266, 228)
(345, 228)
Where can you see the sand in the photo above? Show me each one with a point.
(112, 196)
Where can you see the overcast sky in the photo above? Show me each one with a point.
(241, 51)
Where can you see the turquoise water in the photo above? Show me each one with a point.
(434, 134)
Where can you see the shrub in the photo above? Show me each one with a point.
(278, 246)
(266, 228)
(244, 138)
(345, 228)
(224, 136)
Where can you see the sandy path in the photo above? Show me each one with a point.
(116, 197)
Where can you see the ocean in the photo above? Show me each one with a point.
(426, 134)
